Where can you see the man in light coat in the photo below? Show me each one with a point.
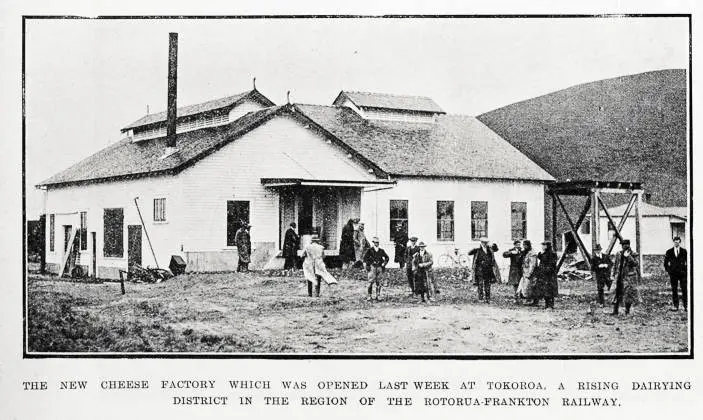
(422, 264)
(314, 267)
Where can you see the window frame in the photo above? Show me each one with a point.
(440, 221)
(52, 233)
(393, 221)
(513, 211)
(475, 233)
(83, 231)
(232, 235)
(119, 238)
(160, 216)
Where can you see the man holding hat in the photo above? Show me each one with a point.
(516, 256)
(314, 267)
(410, 252)
(483, 268)
(601, 264)
(375, 260)
(627, 275)
(422, 264)
(242, 240)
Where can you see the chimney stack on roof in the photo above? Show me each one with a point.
(172, 85)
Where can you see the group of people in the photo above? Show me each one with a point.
(533, 275)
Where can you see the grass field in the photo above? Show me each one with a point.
(256, 312)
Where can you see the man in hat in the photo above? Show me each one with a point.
(375, 260)
(601, 265)
(291, 243)
(483, 268)
(516, 256)
(361, 244)
(546, 285)
(422, 264)
(627, 275)
(676, 264)
(410, 252)
(314, 268)
(242, 240)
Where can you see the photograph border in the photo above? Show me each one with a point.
(26, 354)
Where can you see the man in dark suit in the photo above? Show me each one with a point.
(676, 264)
(410, 252)
(484, 274)
(601, 265)
(375, 260)
(291, 243)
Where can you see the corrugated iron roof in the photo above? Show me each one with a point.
(389, 101)
(212, 105)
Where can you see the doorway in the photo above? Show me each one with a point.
(94, 253)
(134, 245)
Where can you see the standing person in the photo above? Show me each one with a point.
(291, 243)
(483, 268)
(361, 244)
(375, 260)
(410, 252)
(243, 241)
(627, 274)
(601, 265)
(529, 264)
(546, 285)
(676, 264)
(401, 243)
(421, 264)
(314, 267)
(346, 245)
(516, 256)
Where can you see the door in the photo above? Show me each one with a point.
(66, 236)
(305, 213)
(134, 245)
(94, 252)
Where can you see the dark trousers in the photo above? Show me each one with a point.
(242, 266)
(411, 278)
(679, 280)
(602, 282)
(619, 291)
(317, 287)
(291, 262)
(484, 288)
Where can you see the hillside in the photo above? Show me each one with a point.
(630, 128)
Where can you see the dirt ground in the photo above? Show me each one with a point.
(259, 312)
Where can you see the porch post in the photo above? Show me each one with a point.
(638, 226)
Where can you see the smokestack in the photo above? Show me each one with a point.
(172, 84)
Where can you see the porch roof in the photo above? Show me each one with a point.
(289, 182)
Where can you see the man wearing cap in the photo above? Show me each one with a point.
(483, 268)
(516, 256)
(242, 240)
(422, 264)
(676, 264)
(291, 243)
(375, 260)
(601, 265)
(314, 267)
(627, 275)
(410, 252)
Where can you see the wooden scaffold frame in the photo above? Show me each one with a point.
(592, 190)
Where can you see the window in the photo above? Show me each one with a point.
(479, 219)
(237, 213)
(518, 220)
(83, 233)
(398, 217)
(159, 209)
(445, 220)
(113, 233)
(52, 231)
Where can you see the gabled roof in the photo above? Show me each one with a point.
(388, 101)
(212, 105)
(454, 146)
(650, 210)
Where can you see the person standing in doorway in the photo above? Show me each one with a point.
(422, 264)
(243, 241)
(601, 265)
(546, 284)
(627, 275)
(314, 268)
(291, 243)
(401, 243)
(516, 256)
(676, 264)
(346, 245)
(375, 260)
(361, 244)
(410, 252)
(483, 268)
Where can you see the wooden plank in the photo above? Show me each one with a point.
(69, 249)
(638, 225)
(620, 225)
(595, 220)
(574, 228)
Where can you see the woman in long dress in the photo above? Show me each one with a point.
(529, 263)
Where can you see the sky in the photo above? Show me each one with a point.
(86, 79)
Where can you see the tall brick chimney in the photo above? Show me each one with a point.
(172, 84)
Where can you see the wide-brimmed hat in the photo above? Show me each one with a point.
(548, 243)
(625, 242)
(421, 244)
(516, 242)
(374, 239)
(598, 247)
(315, 239)
(413, 238)
(483, 239)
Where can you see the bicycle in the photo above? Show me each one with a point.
(456, 261)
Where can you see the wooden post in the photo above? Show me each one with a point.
(638, 226)
(554, 221)
(595, 220)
